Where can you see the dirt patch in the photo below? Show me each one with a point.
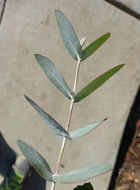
(129, 174)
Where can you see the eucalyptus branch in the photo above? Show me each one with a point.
(74, 48)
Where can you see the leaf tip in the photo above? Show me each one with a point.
(109, 34)
(27, 98)
(105, 119)
(18, 141)
(120, 66)
(36, 55)
(58, 12)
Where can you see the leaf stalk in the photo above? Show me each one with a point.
(68, 122)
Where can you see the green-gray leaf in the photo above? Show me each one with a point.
(52, 124)
(83, 174)
(36, 160)
(91, 87)
(54, 75)
(68, 35)
(89, 50)
(86, 186)
(85, 130)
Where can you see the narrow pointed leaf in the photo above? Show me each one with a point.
(54, 75)
(36, 160)
(83, 174)
(68, 35)
(85, 130)
(91, 87)
(89, 50)
(86, 186)
(52, 124)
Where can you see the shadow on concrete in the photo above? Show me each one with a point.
(7, 159)
(7, 156)
(3, 5)
(124, 8)
(127, 138)
(35, 182)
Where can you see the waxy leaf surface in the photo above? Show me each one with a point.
(52, 124)
(86, 186)
(89, 50)
(91, 87)
(68, 35)
(82, 174)
(85, 130)
(36, 160)
(54, 75)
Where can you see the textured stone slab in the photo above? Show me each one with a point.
(29, 27)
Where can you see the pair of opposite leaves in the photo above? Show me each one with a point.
(75, 49)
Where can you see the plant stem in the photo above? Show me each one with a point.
(68, 123)
(53, 186)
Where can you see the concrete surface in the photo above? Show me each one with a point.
(30, 27)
